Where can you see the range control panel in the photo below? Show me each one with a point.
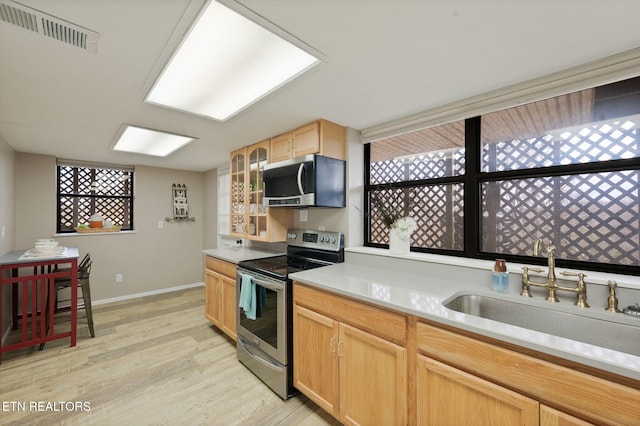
(325, 240)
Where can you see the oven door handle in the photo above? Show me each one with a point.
(266, 284)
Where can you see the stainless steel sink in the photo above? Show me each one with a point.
(594, 331)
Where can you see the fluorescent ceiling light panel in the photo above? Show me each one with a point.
(150, 142)
(226, 63)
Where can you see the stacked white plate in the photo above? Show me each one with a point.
(47, 247)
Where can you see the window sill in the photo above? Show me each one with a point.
(602, 278)
(89, 234)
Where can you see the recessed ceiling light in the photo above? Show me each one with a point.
(227, 62)
(148, 141)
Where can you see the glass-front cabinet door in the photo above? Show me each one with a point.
(239, 201)
(258, 155)
(250, 218)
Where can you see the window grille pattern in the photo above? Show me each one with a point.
(603, 141)
(590, 217)
(417, 160)
(429, 165)
(437, 209)
(85, 190)
(564, 169)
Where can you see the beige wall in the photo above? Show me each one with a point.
(7, 219)
(210, 229)
(7, 197)
(150, 259)
(35, 198)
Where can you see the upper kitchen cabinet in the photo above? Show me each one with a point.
(320, 137)
(249, 217)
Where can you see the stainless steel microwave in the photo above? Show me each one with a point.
(308, 181)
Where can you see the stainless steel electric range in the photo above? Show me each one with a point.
(265, 313)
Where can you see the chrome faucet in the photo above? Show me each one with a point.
(552, 284)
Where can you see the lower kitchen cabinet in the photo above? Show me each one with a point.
(373, 379)
(220, 295)
(448, 396)
(369, 365)
(316, 369)
(358, 377)
(553, 417)
(478, 376)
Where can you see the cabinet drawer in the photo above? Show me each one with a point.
(377, 321)
(221, 266)
(573, 391)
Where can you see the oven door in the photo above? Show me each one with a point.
(268, 331)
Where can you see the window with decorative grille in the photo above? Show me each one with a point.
(85, 189)
(564, 169)
(420, 173)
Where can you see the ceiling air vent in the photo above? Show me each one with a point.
(47, 25)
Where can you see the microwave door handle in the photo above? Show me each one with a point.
(300, 170)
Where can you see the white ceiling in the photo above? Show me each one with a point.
(386, 59)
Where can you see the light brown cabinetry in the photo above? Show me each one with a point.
(373, 379)
(370, 365)
(220, 294)
(249, 216)
(320, 137)
(567, 396)
(448, 396)
(553, 417)
(281, 147)
(315, 371)
(343, 360)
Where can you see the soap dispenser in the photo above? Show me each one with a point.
(500, 277)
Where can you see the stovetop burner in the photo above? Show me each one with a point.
(270, 265)
(280, 266)
(306, 250)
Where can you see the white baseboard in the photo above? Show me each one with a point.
(147, 293)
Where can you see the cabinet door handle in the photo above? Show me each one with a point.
(332, 347)
(340, 348)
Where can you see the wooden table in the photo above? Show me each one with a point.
(32, 281)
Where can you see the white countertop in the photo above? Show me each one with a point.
(421, 289)
(235, 254)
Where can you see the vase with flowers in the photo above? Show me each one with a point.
(395, 215)
(400, 235)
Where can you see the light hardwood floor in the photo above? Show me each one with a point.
(154, 361)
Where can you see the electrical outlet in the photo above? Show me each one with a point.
(118, 278)
(160, 224)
